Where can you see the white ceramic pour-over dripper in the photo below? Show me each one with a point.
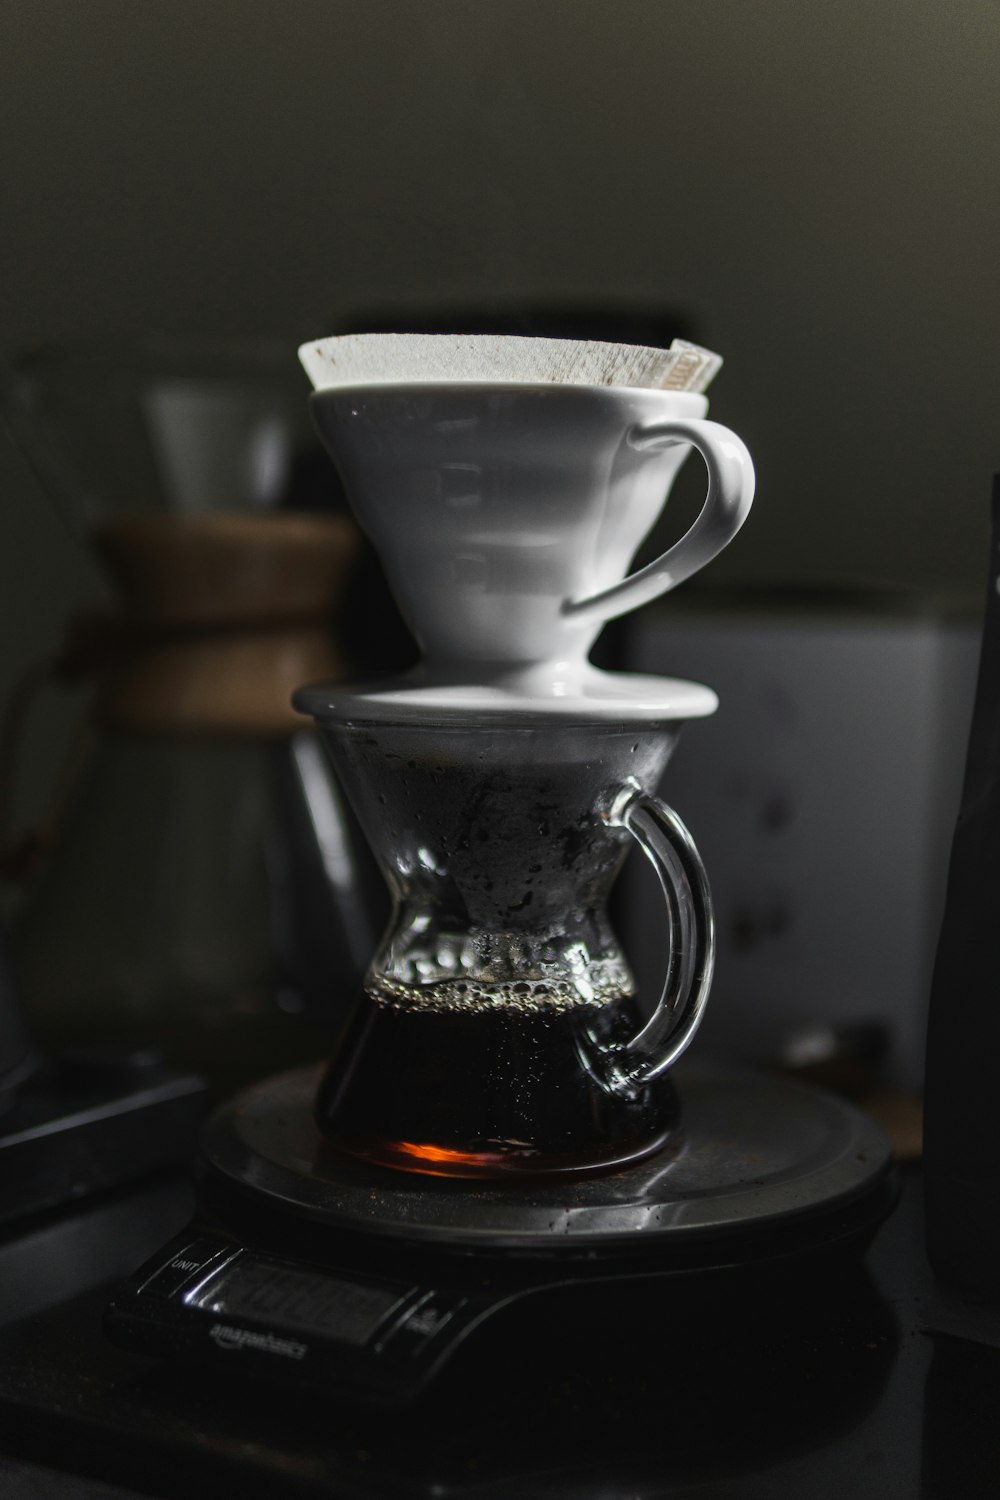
(506, 500)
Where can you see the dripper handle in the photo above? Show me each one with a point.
(731, 483)
(672, 852)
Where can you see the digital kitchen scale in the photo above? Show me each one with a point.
(308, 1266)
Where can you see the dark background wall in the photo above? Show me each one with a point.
(814, 187)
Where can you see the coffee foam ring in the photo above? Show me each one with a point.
(404, 358)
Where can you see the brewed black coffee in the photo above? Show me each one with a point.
(512, 1086)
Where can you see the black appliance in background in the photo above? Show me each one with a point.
(18, 1059)
(961, 1132)
(77, 1123)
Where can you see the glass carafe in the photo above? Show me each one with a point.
(498, 1030)
(200, 880)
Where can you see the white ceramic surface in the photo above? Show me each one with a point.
(601, 697)
(506, 516)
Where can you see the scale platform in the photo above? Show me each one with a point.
(760, 1166)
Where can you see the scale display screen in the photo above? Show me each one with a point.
(302, 1301)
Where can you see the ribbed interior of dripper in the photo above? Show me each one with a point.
(404, 358)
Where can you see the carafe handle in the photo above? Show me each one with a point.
(727, 502)
(672, 852)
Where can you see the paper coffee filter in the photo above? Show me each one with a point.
(404, 358)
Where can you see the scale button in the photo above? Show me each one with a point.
(185, 1262)
(422, 1322)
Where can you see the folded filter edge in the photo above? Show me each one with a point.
(403, 358)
